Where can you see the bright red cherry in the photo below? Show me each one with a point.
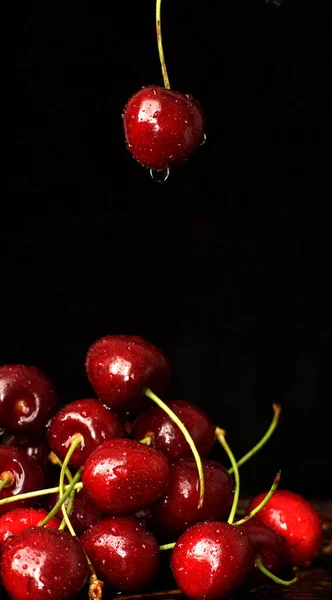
(41, 562)
(18, 519)
(211, 560)
(123, 476)
(83, 513)
(121, 367)
(162, 127)
(89, 417)
(123, 552)
(165, 434)
(18, 475)
(27, 399)
(178, 510)
(267, 545)
(296, 520)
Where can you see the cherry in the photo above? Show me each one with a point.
(296, 520)
(18, 519)
(41, 562)
(27, 399)
(124, 476)
(267, 544)
(165, 435)
(123, 552)
(178, 510)
(83, 513)
(121, 367)
(211, 560)
(89, 417)
(33, 445)
(162, 127)
(18, 474)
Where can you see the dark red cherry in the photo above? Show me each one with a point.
(123, 552)
(178, 509)
(121, 367)
(18, 475)
(18, 519)
(267, 544)
(41, 562)
(27, 399)
(35, 446)
(89, 417)
(162, 127)
(83, 513)
(211, 560)
(166, 435)
(123, 476)
(296, 520)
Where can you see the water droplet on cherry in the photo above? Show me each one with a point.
(160, 175)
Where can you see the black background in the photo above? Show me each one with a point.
(220, 266)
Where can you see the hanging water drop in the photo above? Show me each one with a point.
(203, 140)
(160, 175)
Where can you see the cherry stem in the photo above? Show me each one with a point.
(160, 45)
(220, 433)
(261, 504)
(77, 440)
(167, 546)
(56, 461)
(260, 566)
(187, 436)
(62, 498)
(37, 493)
(147, 440)
(7, 479)
(167, 593)
(265, 438)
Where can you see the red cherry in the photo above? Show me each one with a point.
(167, 437)
(41, 562)
(296, 520)
(94, 421)
(267, 544)
(211, 560)
(124, 476)
(27, 399)
(123, 552)
(121, 367)
(34, 446)
(83, 513)
(18, 474)
(18, 519)
(178, 510)
(162, 127)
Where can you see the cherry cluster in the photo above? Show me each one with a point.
(133, 479)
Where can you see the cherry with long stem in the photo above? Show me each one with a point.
(220, 433)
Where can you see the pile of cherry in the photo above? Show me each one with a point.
(133, 479)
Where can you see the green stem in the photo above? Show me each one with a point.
(188, 438)
(265, 438)
(167, 546)
(220, 433)
(7, 478)
(37, 493)
(261, 504)
(146, 440)
(77, 440)
(160, 45)
(56, 460)
(62, 498)
(260, 566)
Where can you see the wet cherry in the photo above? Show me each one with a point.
(18, 519)
(33, 445)
(123, 552)
(89, 417)
(27, 399)
(18, 474)
(296, 520)
(166, 436)
(267, 544)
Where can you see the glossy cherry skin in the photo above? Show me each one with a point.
(162, 127)
(268, 546)
(123, 552)
(89, 417)
(178, 508)
(41, 562)
(83, 513)
(26, 476)
(121, 367)
(18, 519)
(33, 445)
(123, 476)
(27, 399)
(211, 560)
(166, 435)
(296, 520)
